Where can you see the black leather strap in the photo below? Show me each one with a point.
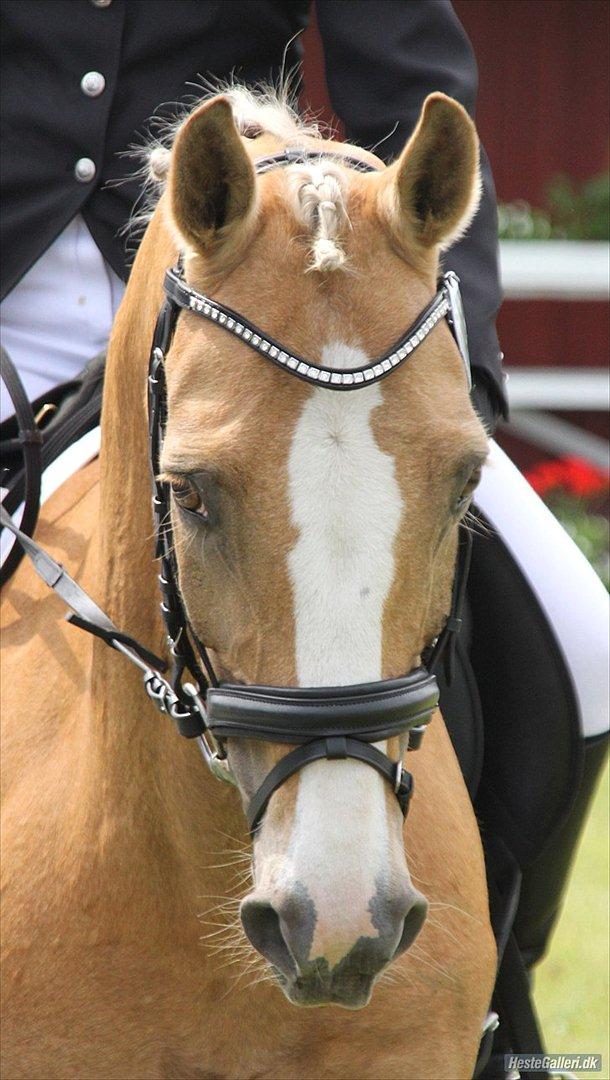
(86, 613)
(28, 451)
(74, 410)
(298, 155)
(172, 608)
(518, 1019)
(443, 649)
(114, 635)
(30, 439)
(375, 710)
(333, 749)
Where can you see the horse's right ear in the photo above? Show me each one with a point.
(212, 184)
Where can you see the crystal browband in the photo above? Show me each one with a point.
(446, 304)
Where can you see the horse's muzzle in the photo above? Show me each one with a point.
(281, 938)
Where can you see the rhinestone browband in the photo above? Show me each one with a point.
(440, 307)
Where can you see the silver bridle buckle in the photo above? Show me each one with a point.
(217, 764)
(157, 690)
(219, 767)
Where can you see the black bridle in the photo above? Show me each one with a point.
(328, 722)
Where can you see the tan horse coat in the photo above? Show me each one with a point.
(115, 837)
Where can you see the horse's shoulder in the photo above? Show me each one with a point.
(44, 659)
(65, 527)
(69, 517)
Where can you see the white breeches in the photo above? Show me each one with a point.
(59, 315)
(567, 588)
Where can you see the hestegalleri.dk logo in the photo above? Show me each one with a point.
(554, 1062)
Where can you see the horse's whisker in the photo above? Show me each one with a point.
(425, 959)
(454, 907)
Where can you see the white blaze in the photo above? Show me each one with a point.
(347, 506)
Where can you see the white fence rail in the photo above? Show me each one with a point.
(559, 388)
(570, 270)
(555, 269)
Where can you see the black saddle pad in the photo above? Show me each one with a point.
(461, 708)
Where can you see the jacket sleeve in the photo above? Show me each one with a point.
(382, 58)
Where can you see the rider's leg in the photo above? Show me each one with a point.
(59, 315)
(567, 588)
(541, 656)
(53, 322)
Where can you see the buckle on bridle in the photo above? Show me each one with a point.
(213, 754)
(157, 690)
(416, 735)
(218, 766)
(162, 695)
(403, 787)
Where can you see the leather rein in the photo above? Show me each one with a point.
(324, 722)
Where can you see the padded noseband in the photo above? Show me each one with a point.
(328, 722)
(374, 711)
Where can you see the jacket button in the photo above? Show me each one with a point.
(84, 170)
(93, 84)
(101, 3)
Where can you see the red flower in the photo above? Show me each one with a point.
(570, 475)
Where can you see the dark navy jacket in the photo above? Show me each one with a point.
(382, 58)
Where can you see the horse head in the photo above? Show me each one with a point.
(316, 532)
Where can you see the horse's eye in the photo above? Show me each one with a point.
(188, 498)
(468, 491)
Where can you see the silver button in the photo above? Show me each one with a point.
(101, 3)
(84, 170)
(93, 84)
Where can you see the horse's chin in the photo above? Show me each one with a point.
(310, 993)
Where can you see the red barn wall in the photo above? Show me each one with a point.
(543, 109)
(544, 93)
(544, 87)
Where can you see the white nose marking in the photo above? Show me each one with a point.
(347, 506)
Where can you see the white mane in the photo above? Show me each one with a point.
(317, 188)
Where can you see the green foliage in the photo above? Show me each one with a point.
(519, 221)
(589, 530)
(571, 212)
(571, 983)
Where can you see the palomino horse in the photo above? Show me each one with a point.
(315, 540)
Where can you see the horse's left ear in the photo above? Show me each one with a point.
(212, 184)
(434, 187)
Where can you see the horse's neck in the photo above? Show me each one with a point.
(125, 565)
(139, 766)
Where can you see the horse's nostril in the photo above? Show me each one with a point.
(414, 920)
(283, 936)
(261, 923)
